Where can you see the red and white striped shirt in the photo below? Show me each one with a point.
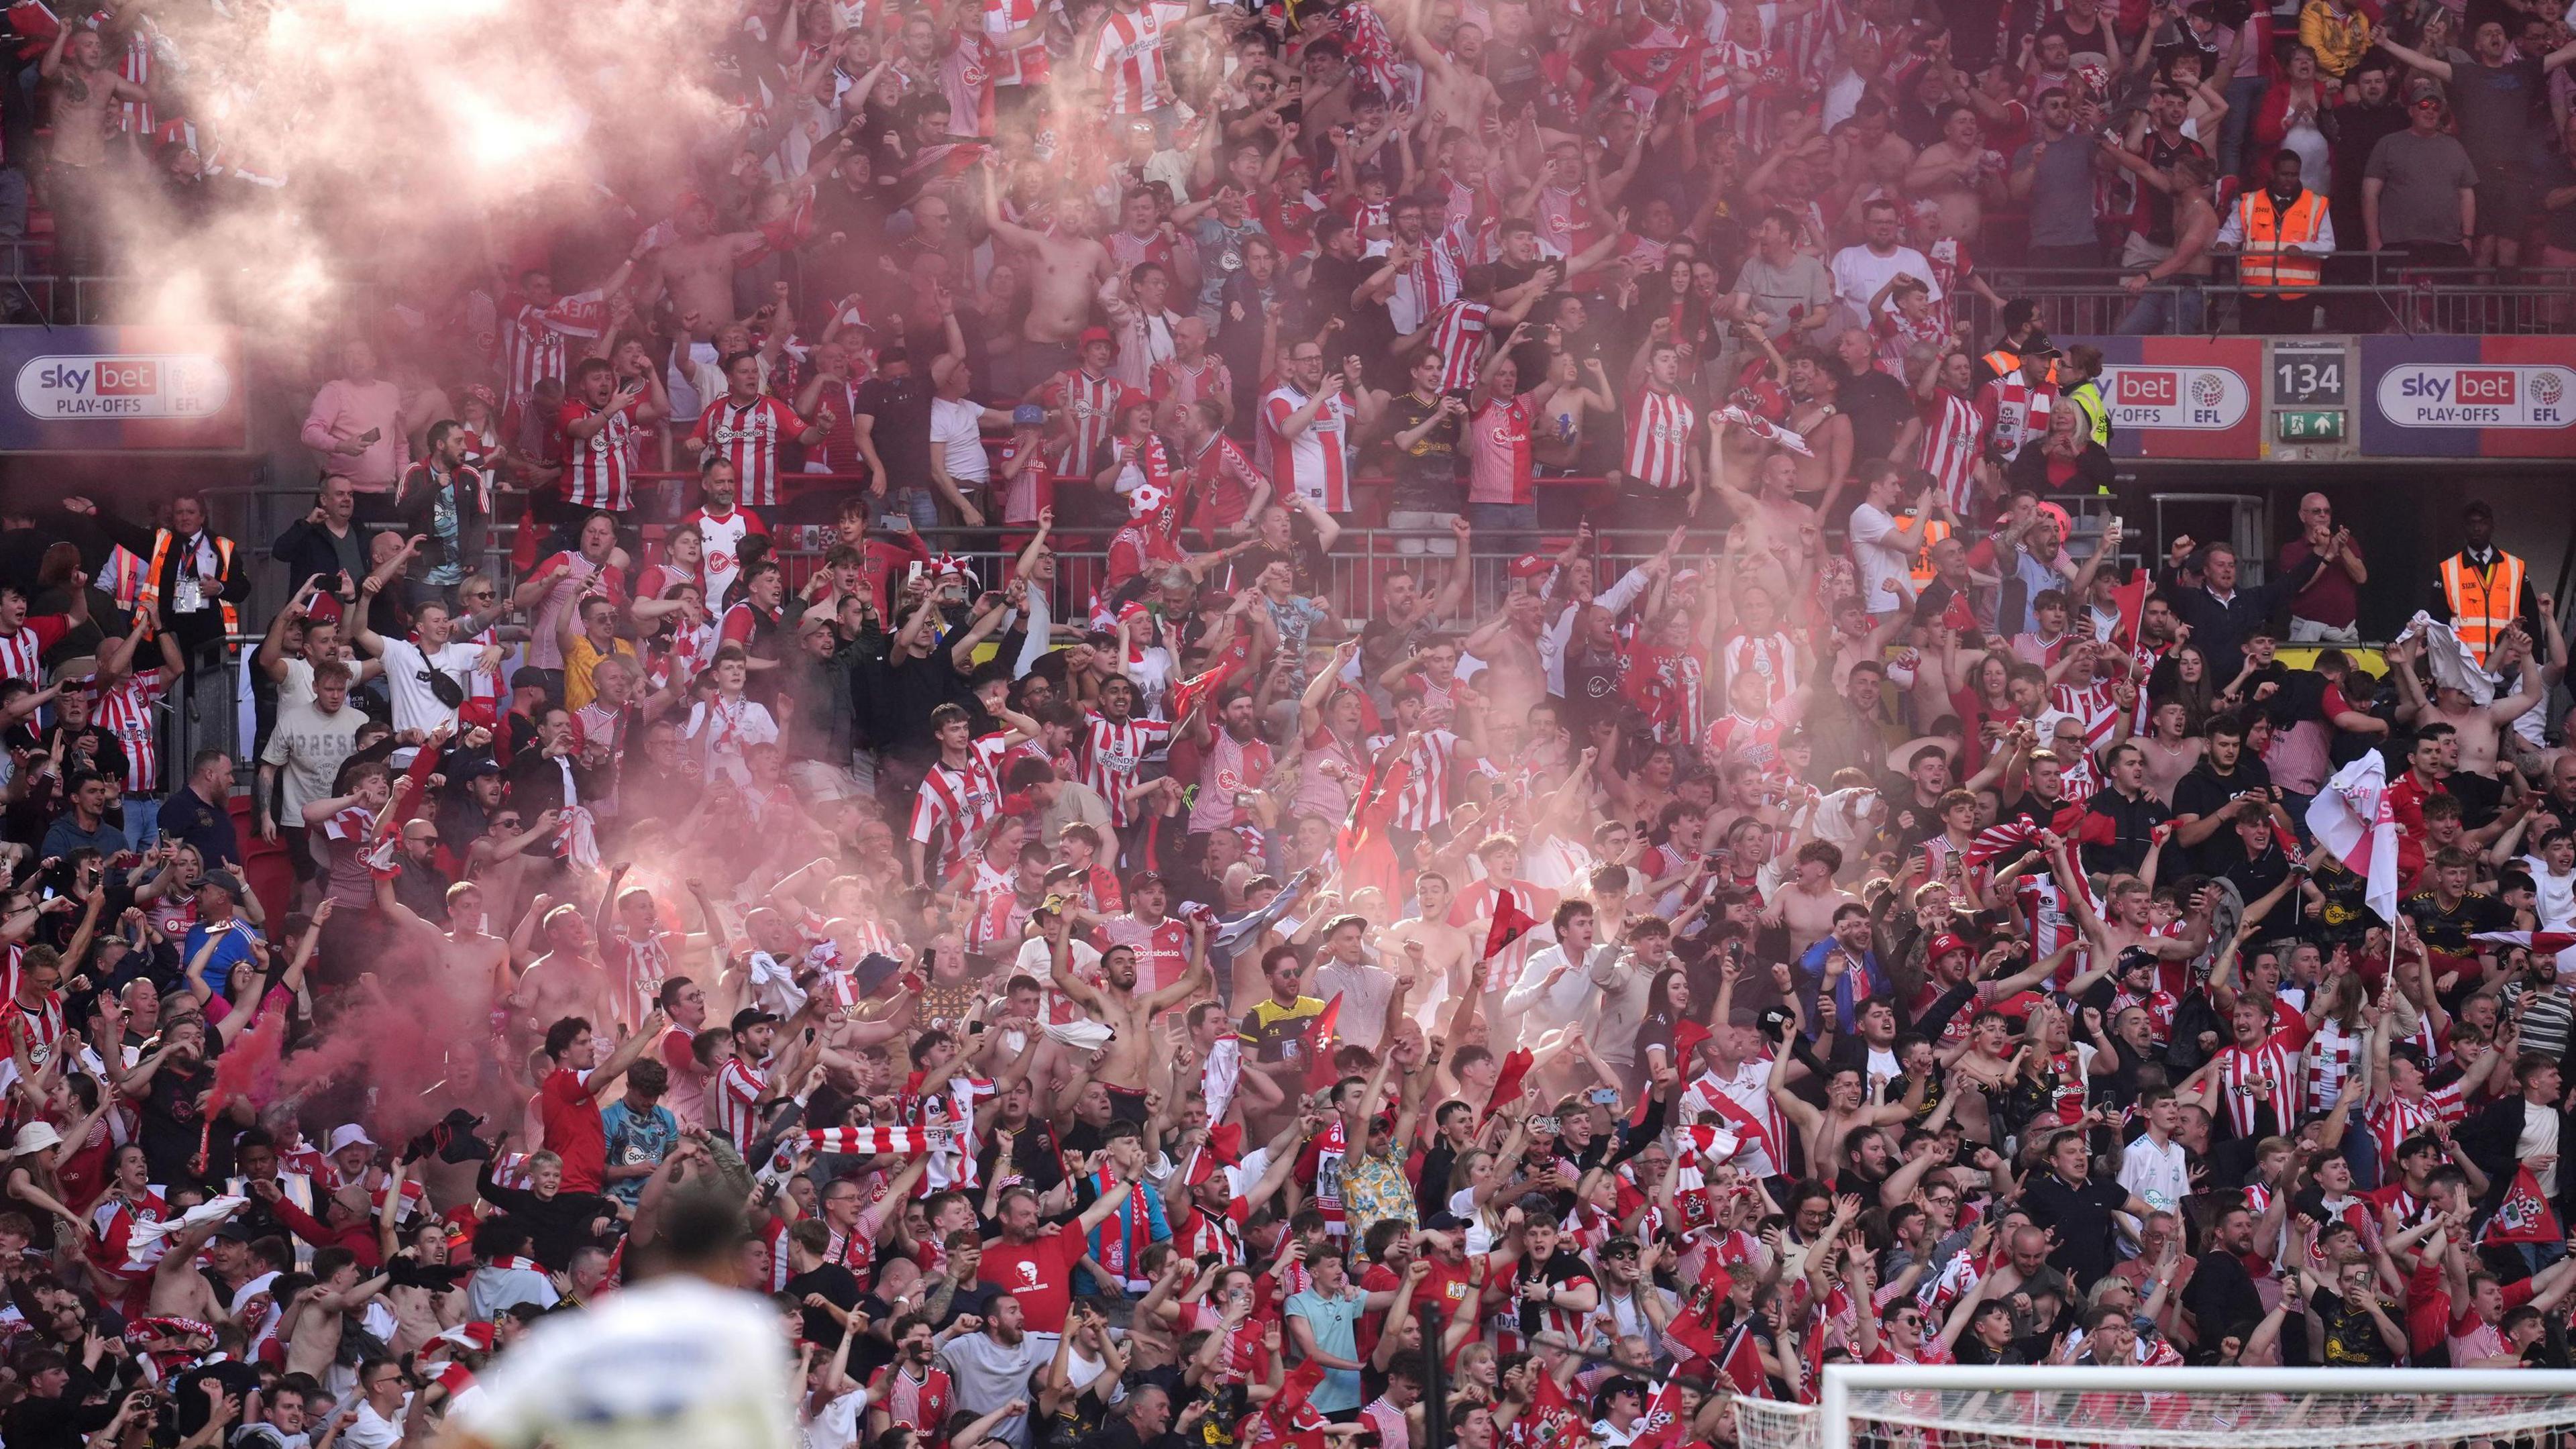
(2014, 411)
(737, 1086)
(596, 468)
(22, 654)
(748, 435)
(135, 66)
(1091, 406)
(126, 712)
(2273, 1064)
(1316, 462)
(1954, 431)
(1773, 656)
(1431, 773)
(1024, 65)
(1458, 335)
(953, 806)
(1111, 753)
(532, 344)
(1437, 274)
(921, 1406)
(1129, 56)
(1659, 436)
(2393, 1119)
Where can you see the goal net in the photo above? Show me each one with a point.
(1904, 1406)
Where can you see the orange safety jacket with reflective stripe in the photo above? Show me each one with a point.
(2484, 601)
(2263, 262)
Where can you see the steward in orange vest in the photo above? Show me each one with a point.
(2482, 589)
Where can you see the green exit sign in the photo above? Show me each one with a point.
(2308, 427)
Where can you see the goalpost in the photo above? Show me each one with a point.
(1908, 1406)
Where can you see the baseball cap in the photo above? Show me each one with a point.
(751, 1016)
(1530, 566)
(225, 880)
(1944, 944)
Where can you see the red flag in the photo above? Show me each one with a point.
(1656, 67)
(2131, 599)
(1294, 1390)
(1694, 1329)
(1508, 1078)
(1510, 923)
(2524, 1216)
(1742, 1364)
(1687, 1036)
(1319, 1045)
(1662, 1427)
(1187, 695)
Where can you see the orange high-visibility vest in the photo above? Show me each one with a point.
(149, 592)
(2483, 600)
(2264, 263)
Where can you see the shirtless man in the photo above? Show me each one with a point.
(2123, 923)
(2481, 727)
(181, 1290)
(1455, 91)
(1114, 1004)
(1066, 269)
(1808, 904)
(1814, 414)
(1437, 950)
(466, 953)
(1513, 679)
(497, 861)
(84, 90)
(697, 270)
(317, 1312)
(566, 981)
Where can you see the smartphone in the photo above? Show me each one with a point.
(912, 575)
(1605, 1096)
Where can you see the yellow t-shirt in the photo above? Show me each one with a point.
(580, 660)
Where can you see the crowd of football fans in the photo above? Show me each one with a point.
(1402, 723)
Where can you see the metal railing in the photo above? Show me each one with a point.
(2367, 292)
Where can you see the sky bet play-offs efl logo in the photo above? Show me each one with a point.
(2478, 395)
(154, 385)
(2184, 398)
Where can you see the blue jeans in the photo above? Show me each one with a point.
(920, 503)
(1510, 529)
(2167, 314)
(142, 819)
(2243, 94)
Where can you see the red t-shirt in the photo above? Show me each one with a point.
(573, 1129)
(1039, 1274)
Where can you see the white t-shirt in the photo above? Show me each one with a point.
(957, 429)
(307, 747)
(415, 707)
(1880, 562)
(2163, 1178)
(2554, 896)
(674, 1360)
(1860, 272)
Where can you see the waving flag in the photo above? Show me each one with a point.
(2131, 599)
(1742, 1364)
(2351, 817)
(1508, 1078)
(1765, 429)
(2009, 838)
(1510, 923)
(1694, 1328)
(1662, 1426)
(2525, 1215)
(1319, 1044)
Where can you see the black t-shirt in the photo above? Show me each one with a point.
(1878, 407)
(171, 1123)
(901, 408)
(2205, 792)
(1368, 329)
(1427, 474)
(839, 1287)
(2351, 1338)
(2450, 930)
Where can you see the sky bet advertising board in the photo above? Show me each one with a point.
(2468, 397)
(2181, 397)
(104, 389)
